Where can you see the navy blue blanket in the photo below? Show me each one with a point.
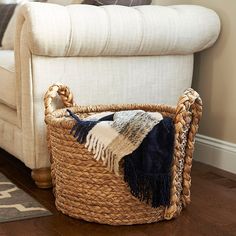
(148, 169)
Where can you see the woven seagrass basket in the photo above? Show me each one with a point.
(85, 189)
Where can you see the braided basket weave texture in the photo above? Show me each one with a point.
(85, 189)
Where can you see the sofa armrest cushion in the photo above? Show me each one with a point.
(84, 30)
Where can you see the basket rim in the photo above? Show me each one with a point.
(61, 117)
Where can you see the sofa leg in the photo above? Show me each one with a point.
(42, 177)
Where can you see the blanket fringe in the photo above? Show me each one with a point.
(152, 189)
(81, 128)
(100, 152)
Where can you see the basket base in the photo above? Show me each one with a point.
(116, 219)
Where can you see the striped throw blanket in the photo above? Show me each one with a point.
(110, 141)
(132, 135)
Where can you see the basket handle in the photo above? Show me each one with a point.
(63, 91)
(190, 101)
(188, 111)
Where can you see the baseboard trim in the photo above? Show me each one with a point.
(216, 152)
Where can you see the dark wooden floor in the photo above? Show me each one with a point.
(212, 211)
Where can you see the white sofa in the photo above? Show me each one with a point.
(110, 54)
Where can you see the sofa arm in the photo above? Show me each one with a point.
(84, 30)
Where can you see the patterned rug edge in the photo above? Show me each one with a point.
(16, 204)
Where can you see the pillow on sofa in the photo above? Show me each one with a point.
(6, 12)
(118, 2)
(102, 2)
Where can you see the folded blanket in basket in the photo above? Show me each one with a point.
(111, 140)
(145, 139)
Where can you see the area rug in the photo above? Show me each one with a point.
(15, 204)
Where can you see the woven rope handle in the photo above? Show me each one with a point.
(191, 102)
(54, 90)
(189, 110)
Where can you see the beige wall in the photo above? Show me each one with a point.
(215, 76)
(215, 73)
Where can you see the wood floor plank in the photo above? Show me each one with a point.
(212, 211)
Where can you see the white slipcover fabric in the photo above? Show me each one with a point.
(7, 1)
(13, 1)
(65, 2)
(7, 78)
(84, 30)
(11, 135)
(100, 80)
(109, 54)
